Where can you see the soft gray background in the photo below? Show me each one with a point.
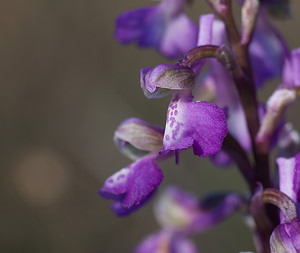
(65, 85)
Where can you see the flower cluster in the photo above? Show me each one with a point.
(216, 112)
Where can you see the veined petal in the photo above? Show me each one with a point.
(198, 124)
(166, 77)
(285, 238)
(135, 137)
(133, 185)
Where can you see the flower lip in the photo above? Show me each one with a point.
(201, 125)
(133, 186)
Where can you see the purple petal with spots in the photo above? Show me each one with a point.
(165, 241)
(133, 185)
(198, 124)
(163, 27)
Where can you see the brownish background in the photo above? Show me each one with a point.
(65, 85)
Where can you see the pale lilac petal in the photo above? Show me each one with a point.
(204, 38)
(289, 176)
(179, 37)
(205, 29)
(176, 210)
(198, 124)
(219, 33)
(165, 241)
(133, 185)
(227, 97)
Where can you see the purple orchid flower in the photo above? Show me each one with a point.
(184, 213)
(134, 185)
(164, 27)
(201, 125)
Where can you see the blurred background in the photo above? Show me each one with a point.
(65, 85)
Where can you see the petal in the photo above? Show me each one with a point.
(285, 238)
(289, 176)
(116, 185)
(179, 37)
(291, 70)
(133, 185)
(145, 178)
(165, 241)
(163, 27)
(130, 26)
(198, 124)
(205, 29)
(267, 51)
(175, 209)
(135, 137)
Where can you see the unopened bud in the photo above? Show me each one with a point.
(135, 138)
(276, 106)
(249, 13)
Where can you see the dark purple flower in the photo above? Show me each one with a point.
(132, 186)
(166, 241)
(164, 27)
(201, 125)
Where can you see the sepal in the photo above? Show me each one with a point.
(135, 137)
(156, 82)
